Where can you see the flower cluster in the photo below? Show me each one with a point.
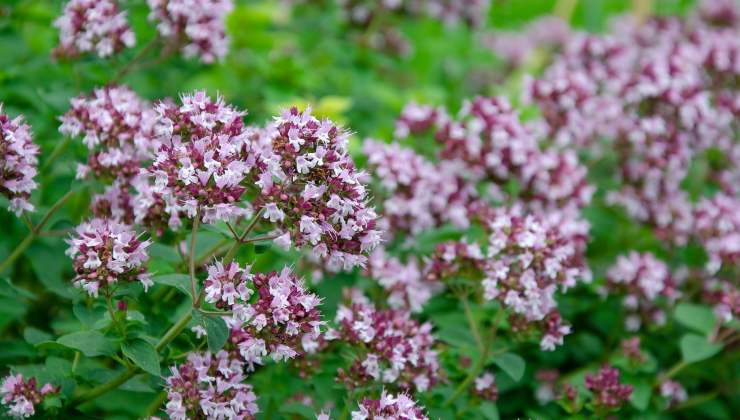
(485, 387)
(209, 386)
(398, 350)
(117, 128)
(283, 321)
(389, 406)
(404, 283)
(204, 156)
(17, 163)
(631, 350)
(310, 188)
(197, 27)
(608, 392)
(717, 225)
(20, 396)
(516, 48)
(673, 392)
(526, 260)
(93, 26)
(106, 252)
(642, 279)
(419, 194)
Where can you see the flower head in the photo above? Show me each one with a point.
(117, 128)
(311, 189)
(93, 26)
(209, 386)
(389, 406)
(196, 26)
(17, 163)
(204, 156)
(106, 252)
(21, 396)
(607, 391)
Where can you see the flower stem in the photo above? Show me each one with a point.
(119, 380)
(480, 363)
(472, 322)
(191, 259)
(26, 242)
(232, 251)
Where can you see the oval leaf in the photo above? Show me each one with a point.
(90, 343)
(143, 354)
(695, 348)
(216, 330)
(512, 364)
(699, 318)
(179, 281)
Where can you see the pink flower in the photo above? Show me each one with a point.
(204, 157)
(311, 189)
(399, 349)
(92, 26)
(485, 387)
(22, 396)
(105, 252)
(18, 161)
(389, 406)
(209, 386)
(606, 389)
(117, 128)
(196, 26)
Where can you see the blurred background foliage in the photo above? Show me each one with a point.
(306, 55)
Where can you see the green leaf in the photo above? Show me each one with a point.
(35, 336)
(216, 330)
(640, 398)
(179, 281)
(88, 316)
(489, 410)
(512, 364)
(143, 354)
(90, 343)
(299, 409)
(52, 401)
(695, 348)
(699, 318)
(10, 290)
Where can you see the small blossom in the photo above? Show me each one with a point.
(93, 26)
(389, 406)
(607, 392)
(18, 161)
(485, 387)
(209, 386)
(197, 27)
(673, 392)
(399, 349)
(105, 252)
(21, 396)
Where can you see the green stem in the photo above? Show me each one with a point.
(119, 380)
(191, 258)
(232, 251)
(131, 64)
(480, 363)
(113, 317)
(472, 322)
(18, 251)
(695, 400)
(75, 362)
(55, 153)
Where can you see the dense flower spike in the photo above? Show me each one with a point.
(485, 387)
(93, 26)
(608, 392)
(210, 386)
(204, 156)
(21, 396)
(642, 279)
(117, 128)
(282, 322)
(17, 163)
(389, 406)
(197, 27)
(311, 189)
(419, 194)
(397, 349)
(106, 252)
